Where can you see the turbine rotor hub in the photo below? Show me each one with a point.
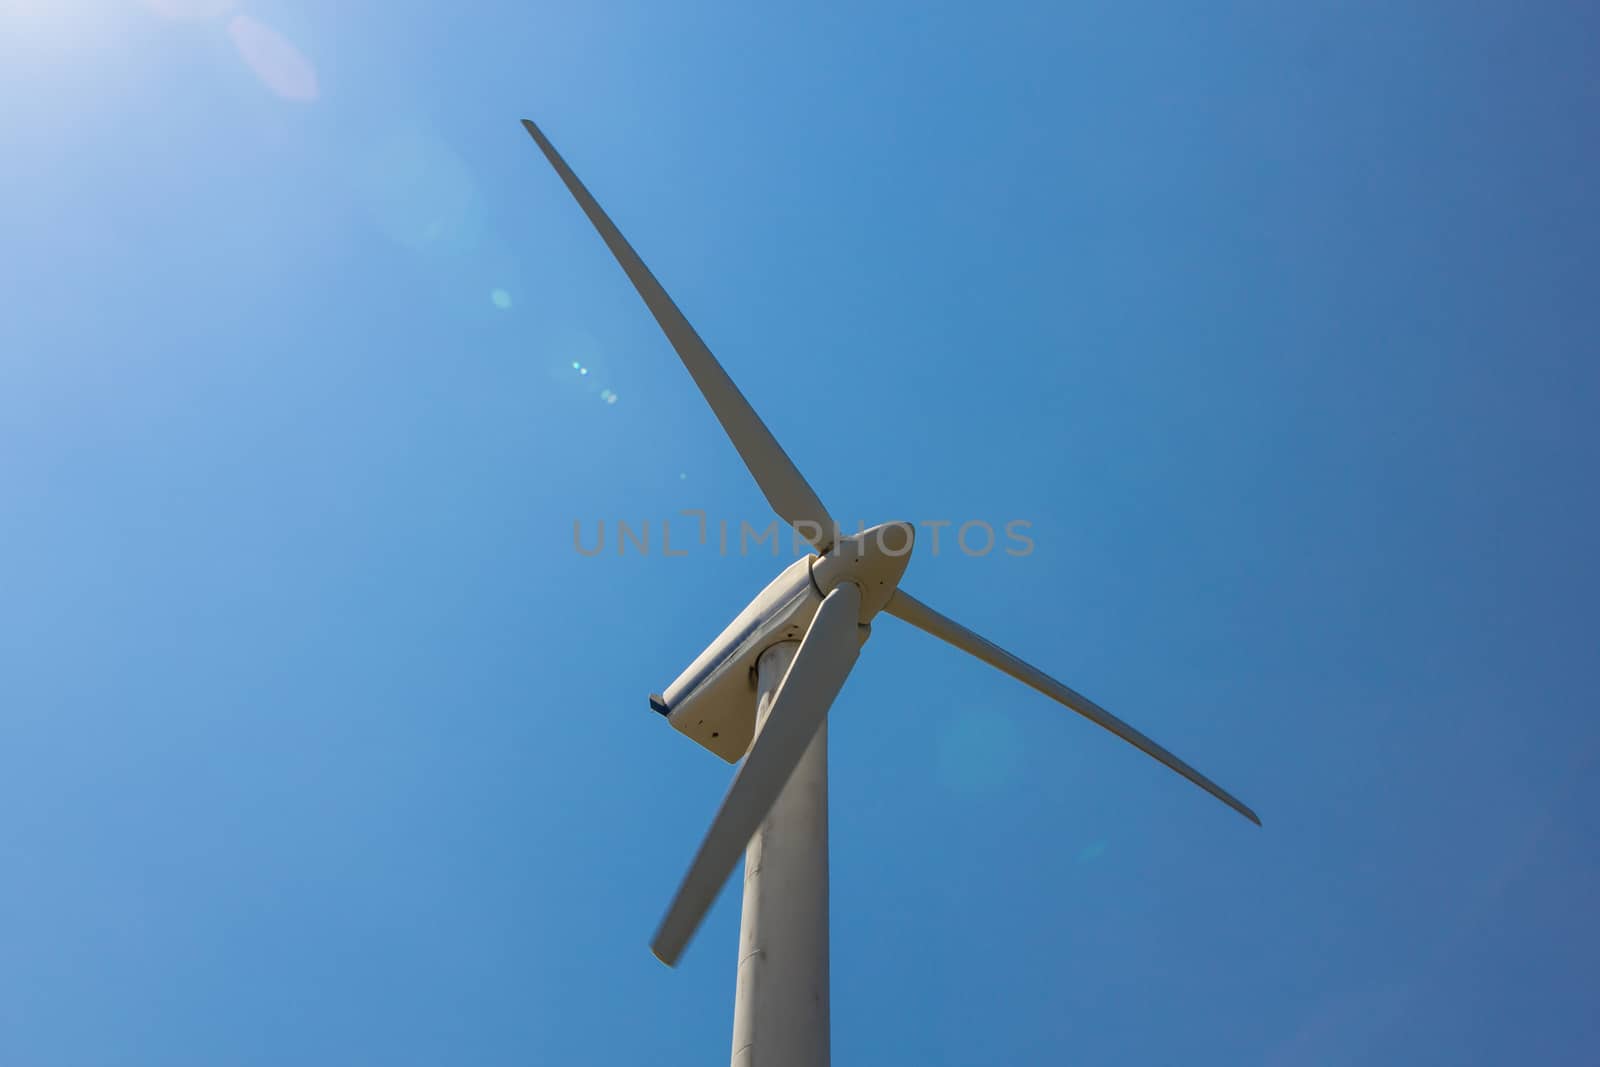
(874, 559)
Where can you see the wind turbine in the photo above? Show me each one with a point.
(761, 692)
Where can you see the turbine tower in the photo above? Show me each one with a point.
(761, 692)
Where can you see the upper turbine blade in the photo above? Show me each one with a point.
(815, 677)
(780, 480)
(905, 606)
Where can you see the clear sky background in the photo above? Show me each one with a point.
(319, 743)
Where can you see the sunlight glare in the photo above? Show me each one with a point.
(189, 9)
(277, 62)
(45, 32)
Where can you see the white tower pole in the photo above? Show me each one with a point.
(780, 1010)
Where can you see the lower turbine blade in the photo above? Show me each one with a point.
(905, 606)
(815, 677)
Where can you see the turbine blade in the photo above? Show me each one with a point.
(820, 667)
(780, 480)
(907, 607)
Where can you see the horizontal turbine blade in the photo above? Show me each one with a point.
(905, 606)
(780, 480)
(818, 672)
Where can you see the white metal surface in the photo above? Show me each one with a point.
(874, 559)
(821, 666)
(713, 700)
(780, 1014)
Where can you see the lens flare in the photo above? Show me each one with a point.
(419, 192)
(278, 63)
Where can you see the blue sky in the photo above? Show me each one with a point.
(320, 744)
